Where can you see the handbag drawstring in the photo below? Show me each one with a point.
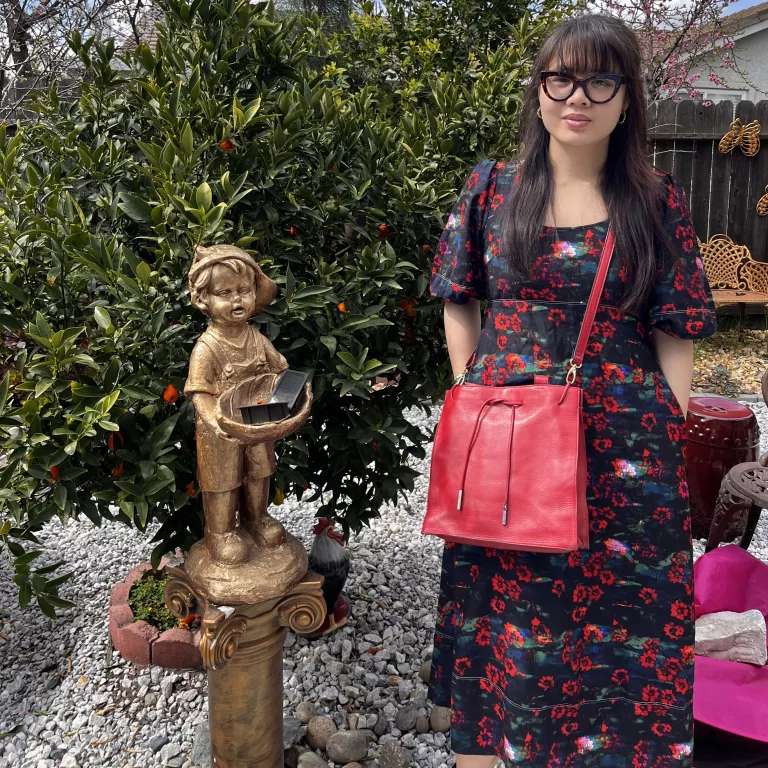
(475, 433)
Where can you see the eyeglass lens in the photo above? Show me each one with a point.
(599, 89)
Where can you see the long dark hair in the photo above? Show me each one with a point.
(629, 185)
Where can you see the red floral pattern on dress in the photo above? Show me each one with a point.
(583, 659)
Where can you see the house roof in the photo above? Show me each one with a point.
(746, 18)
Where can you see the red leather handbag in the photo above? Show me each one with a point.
(509, 465)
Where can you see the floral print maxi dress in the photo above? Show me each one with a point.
(584, 658)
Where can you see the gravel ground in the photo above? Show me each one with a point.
(79, 704)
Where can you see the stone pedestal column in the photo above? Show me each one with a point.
(242, 649)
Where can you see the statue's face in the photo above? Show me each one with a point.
(231, 297)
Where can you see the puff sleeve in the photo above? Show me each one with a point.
(681, 302)
(458, 271)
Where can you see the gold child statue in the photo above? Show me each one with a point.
(231, 364)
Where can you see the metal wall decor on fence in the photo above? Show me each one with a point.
(725, 190)
(762, 204)
(745, 136)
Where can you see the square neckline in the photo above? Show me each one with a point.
(577, 227)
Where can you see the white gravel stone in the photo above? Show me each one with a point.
(392, 588)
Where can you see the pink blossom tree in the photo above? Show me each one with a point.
(682, 43)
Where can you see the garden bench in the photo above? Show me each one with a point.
(733, 275)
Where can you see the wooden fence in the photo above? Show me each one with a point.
(723, 189)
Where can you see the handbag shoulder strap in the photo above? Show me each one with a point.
(594, 300)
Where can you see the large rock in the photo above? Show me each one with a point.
(732, 636)
(440, 719)
(381, 726)
(405, 719)
(347, 747)
(319, 729)
(392, 755)
(311, 760)
(422, 724)
(306, 711)
(425, 669)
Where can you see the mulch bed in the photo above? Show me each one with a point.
(727, 366)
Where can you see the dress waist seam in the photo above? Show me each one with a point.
(606, 700)
(601, 305)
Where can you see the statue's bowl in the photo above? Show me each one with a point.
(249, 392)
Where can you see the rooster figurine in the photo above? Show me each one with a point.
(329, 558)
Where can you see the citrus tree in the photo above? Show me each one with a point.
(332, 158)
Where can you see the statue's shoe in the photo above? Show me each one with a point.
(268, 532)
(229, 548)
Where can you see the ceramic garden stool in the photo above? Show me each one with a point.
(721, 433)
(743, 494)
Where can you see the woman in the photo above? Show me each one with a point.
(586, 658)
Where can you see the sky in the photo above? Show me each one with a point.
(740, 5)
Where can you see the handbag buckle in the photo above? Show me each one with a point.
(571, 376)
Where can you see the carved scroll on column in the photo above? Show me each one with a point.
(302, 614)
(220, 637)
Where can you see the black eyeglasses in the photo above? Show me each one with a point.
(560, 86)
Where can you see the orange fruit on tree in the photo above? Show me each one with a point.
(118, 470)
(190, 489)
(111, 440)
(384, 231)
(342, 307)
(227, 145)
(375, 446)
(55, 473)
(295, 231)
(406, 305)
(171, 394)
(427, 247)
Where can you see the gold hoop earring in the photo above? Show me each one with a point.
(538, 112)
(623, 115)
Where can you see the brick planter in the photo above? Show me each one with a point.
(142, 643)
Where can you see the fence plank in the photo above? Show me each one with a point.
(664, 154)
(699, 192)
(721, 174)
(756, 238)
(741, 167)
(684, 148)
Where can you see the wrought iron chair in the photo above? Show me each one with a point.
(743, 489)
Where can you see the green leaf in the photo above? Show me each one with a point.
(43, 386)
(143, 272)
(46, 607)
(330, 342)
(137, 393)
(203, 196)
(187, 141)
(4, 392)
(136, 207)
(16, 729)
(60, 495)
(28, 558)
(349, 360)
(14, 291)
(102, 318)
(160, 436)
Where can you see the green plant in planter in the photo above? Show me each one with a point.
(334, 159)
(147, 601)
